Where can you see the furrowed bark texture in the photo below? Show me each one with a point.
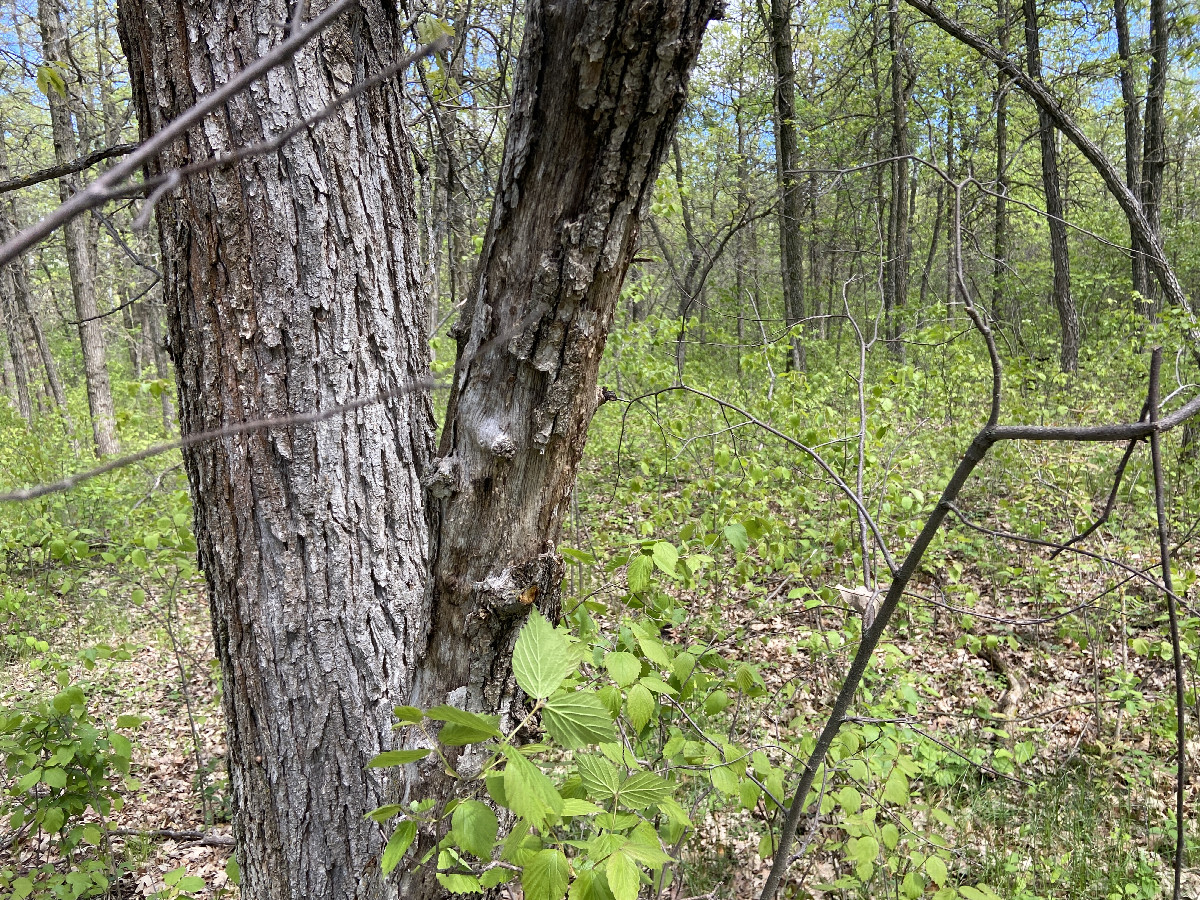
(599, 87)
(291, 284)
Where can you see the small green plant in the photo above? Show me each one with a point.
(58, 764)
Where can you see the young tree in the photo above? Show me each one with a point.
(351, 565)
(81, 261)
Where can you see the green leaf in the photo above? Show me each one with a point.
(398, 844)
(475, 828)
(643, 789)
(542, 657)
(600, 777)
(190, 884)
(716, 702)
(52, 820)
(55, 778)
(408, 715)
(724, 780)
(666, 557)
(383, 813)
(531, 795)
(862, 850)
(637, 576)
(397, 758)
(578, 719)
(738, 539)
(622, 873)
(21, 888)
(639, 705)
(130, 721)
(574, 807)
(463, 727)
(654, 650)
(233, 871)
(545, 876)
(849, 799)
(623, 667)
(935, 868)
(49, 79)
(896, 789)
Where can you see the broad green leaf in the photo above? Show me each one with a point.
(623, 667)
(724, 780)
(622, 873)
(383, 813)
(408, 715)
(455, 882)
(545, 876)
(398, 844)
(643, 789)
(600, 777)
(896, 789)
(130, 721)
(578, 719)
(637, 576)
(716, 702)
(55, 778)
(935, 867)
(738, 539)
(863, 849)
(890, 835)
(53, 820)
(849, 799)
(654, 650)
(397, 758)
(575, 807)
(463, 727)
(531, 795)
(542, 657)
(666, 557)
(475, 828)
(639, 705)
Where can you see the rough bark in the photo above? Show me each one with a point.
(1131, 117)
(1064, 302)
(599, 87)
(80, 262)
(17, 361)
(349, 570)
(791, 247)
(1154, 142)
(291, 283)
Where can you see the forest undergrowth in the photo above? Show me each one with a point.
(1013, 737)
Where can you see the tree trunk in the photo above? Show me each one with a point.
(80, 262)
(340, 586)
(791, 247)
(1133, 148)
(1064, 303)
(896, 274)
(1154, 145)
(1004, 306)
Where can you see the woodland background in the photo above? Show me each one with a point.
(1016, 735)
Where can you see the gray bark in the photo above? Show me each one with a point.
(80, 262)
(1154, 142)
(1064, 302)
(349, 569)
(896, 269)
(1133, 144)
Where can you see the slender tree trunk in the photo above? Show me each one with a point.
(80, 262)
(896, 277)
(1140, 274)
(350, 569)
(791, 249)
(1154, 146)
(1064, 303)
(1004, 306)
(938, 213)
(17, 361)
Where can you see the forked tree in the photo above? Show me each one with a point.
(356, 563)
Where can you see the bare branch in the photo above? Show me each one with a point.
(77, 165)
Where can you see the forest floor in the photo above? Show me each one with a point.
(175, 812)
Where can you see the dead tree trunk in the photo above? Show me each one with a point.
(1064, 303)
(80, 263)
(349, 568)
